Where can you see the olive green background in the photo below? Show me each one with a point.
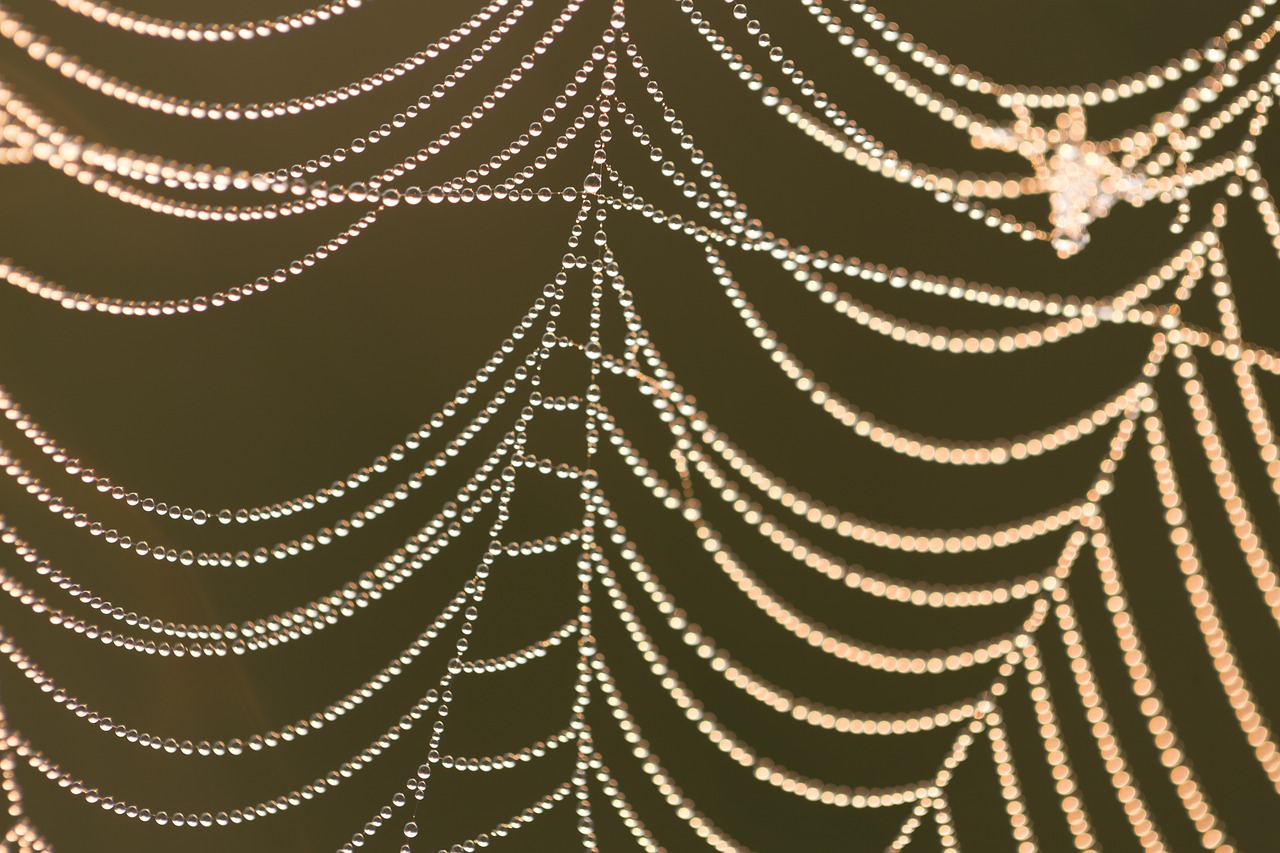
(269, 399)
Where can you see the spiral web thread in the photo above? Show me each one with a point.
(706, 460)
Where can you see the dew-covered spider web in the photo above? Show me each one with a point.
(733, 539)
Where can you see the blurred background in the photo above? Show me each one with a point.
(261, 401)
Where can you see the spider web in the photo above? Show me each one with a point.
(584, 352)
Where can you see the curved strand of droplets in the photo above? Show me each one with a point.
(1226, 68)
(849, 649)
(902, 441)
(38, 48)
(126, 20)
(74, 467)
(756, 238)
(852, 526)
(763, 769)
(235, 746)
(77, 301)
(53, 771)
(203, 640)
(1108, 91)
(1081, 315)
(255, 635)
(281, 550)
(71, 153)
(771, 695)
(901, 590)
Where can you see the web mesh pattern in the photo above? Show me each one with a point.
(614, 151)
